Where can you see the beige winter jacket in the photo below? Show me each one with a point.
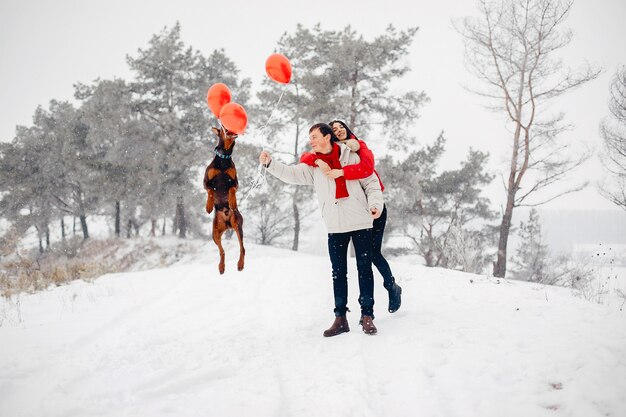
(344, 214)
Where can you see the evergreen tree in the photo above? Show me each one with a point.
(26, 201)
(69, 161)
(292, 118)
(357, 81)
(532, 253)
(46, 171)
(171, 81)
(115, 138)
(338, 74)
(438, 210)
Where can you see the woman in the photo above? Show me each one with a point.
(361, 170)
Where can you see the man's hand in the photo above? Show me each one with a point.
(265, 158)
(335, 173)
(353, 144)
(323, 166)
(375, 212)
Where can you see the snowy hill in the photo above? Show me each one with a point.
(184, 341)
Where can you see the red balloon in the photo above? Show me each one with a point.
(217, 97)
(234, 118)
(278, 68)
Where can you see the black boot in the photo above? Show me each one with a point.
(395, 298)
(340, 325)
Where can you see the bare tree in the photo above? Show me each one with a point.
(511, 48)
(613, 130)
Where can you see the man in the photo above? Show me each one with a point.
(348, 208)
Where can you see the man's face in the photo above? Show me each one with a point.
(318, 141)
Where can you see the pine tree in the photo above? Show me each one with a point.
(171, 81)
(532, 253)
(435, 209)
(115, 138)
(338, 74)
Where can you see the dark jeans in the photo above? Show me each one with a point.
(338, 251)
(377, 257)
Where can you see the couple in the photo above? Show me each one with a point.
(349, 194)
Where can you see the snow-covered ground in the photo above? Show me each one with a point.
(184, 341)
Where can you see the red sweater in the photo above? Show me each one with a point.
(351, 172)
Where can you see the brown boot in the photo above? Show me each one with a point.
(340, 325)
(368, 325)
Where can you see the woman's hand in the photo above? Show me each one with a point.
(353, 144)
(335, 173)
(375, 212)
(323, 166)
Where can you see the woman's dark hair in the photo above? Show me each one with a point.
(349, 134)
(324, 130)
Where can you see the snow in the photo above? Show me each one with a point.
(185, 341)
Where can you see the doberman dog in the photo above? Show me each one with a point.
(220, 182)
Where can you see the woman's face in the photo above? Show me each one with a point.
(339, 131)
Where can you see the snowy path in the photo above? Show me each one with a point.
(184, 341)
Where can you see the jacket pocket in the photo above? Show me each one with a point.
(330, 213)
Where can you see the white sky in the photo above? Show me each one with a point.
(48, 46)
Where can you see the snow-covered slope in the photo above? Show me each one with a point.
(184, 341)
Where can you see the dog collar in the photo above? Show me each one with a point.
(221, 155)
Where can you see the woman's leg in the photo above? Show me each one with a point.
(389, 282)
(338, 252)
(377, 257)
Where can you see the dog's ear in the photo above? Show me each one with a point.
(216, 131)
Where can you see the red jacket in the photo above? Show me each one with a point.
(363, 169)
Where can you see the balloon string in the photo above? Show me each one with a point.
(260, 177)
(265, 126)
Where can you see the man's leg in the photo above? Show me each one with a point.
(362, 240)
(338, 252)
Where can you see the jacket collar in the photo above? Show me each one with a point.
(343, 150)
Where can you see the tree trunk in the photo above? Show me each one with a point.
(353, 90)
(164, 223)
(515, 177)
(294, 201)
(74, 226)
(40, 238)
(62, 228)
(83, 225)
(153, 224)
(428, 256)
(505, 227)
(296, 221)
(129, 228)
(117, 218)
(180, 214)
(47, 236)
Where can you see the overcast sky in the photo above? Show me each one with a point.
(47, 46)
